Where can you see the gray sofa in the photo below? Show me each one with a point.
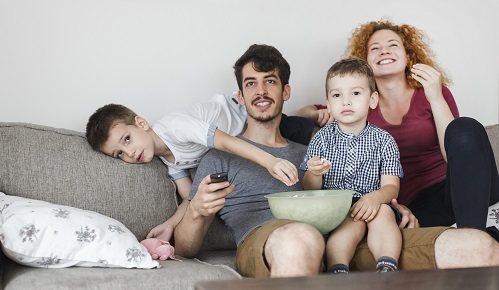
(58, 166)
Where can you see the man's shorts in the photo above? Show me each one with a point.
(418, 251)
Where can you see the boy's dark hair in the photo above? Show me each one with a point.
(264, 58)
(350, 66)
(103, 120)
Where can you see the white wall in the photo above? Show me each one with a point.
(62, 59)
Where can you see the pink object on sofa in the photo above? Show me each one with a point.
(159, 249)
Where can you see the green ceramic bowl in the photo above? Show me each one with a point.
(324, 209)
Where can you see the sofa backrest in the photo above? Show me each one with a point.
(58, 165)
(493, 132)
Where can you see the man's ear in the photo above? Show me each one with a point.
(241, 98)
(373, 102)
(286, 92)
(141, 123)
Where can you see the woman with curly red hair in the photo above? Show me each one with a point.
(450, 175)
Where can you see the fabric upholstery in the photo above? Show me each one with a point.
(58, 166)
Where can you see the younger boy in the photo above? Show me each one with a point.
(180, 139)
(351, 153)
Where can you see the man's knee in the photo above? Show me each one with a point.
(461, 248)
(296, 239)
(295, 249)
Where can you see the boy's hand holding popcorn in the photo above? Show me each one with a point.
(318, 166)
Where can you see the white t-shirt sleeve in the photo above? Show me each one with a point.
(187, 128)
(205, 118)
(175, 174)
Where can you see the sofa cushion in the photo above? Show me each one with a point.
(174, 275)
(41, 234)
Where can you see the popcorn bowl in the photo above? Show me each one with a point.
(324, 209)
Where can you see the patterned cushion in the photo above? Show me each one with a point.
(41, 234)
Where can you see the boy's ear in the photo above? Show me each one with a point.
(373, 102)
(141, 123)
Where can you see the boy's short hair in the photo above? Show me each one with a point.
(350, 66)
(264, 58)
(100, 123)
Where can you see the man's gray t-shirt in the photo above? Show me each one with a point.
(246, 208)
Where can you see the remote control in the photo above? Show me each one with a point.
(219, 177)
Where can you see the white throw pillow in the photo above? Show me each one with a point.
(41, 234)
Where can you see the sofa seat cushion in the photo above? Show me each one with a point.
(175, 275)
(41, 234)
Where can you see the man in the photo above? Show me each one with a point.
(269, 247)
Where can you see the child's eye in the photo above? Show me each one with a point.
(127, 139)
(356, 93)
(119, 154)
(335, 95)
(374, 48)
(393, 44)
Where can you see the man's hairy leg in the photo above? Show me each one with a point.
(295, 249)
(462, 248)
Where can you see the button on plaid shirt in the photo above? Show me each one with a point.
(357, 162)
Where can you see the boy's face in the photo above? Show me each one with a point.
(130, 143)
(349, 98)
(262, 94)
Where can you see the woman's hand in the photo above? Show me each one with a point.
(430, 79)
(408, 219)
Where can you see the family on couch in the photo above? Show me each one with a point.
(269, 247)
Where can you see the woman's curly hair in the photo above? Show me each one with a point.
(413, 39)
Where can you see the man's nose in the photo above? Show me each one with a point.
(261, 89)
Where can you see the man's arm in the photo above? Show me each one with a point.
(280, 169)
(321, 117)
(190, 232)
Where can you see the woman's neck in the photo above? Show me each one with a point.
(394, 89)
(395, 99)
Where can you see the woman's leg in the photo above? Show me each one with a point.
(472, 180)
(432, 207)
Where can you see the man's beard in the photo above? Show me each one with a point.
(266, 118)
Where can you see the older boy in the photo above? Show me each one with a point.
(351, 153)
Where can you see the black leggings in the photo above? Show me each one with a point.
(472, 182)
